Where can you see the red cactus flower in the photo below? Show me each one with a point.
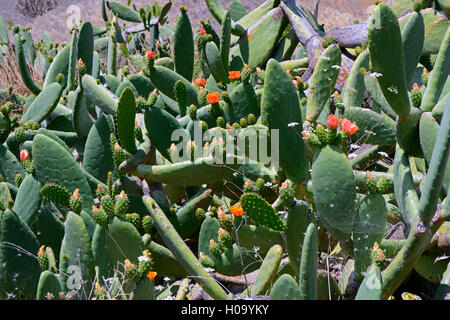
(213, 97)
(151, 55)
(35, 79)
(237, 210)
(348, 127)
(234, 75)
(24, 155)
(200, 82)
(202, 31)
(333, 122)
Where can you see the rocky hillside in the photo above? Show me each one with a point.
(60, 13)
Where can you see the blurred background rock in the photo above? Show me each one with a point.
(51, 15)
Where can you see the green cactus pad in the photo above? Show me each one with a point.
(385, 40)
(123, 11)
(438, 75)
(97, 158)
(436, 26)
(323, 81)
(297, 223)
(49, 228)
(164, 80)
(407, 133)
(160, 126)
(184, 46)
(267, 271)
(182, 252)
(126, 117)
(285, 288)
(261, 211)
(123, 241)
(258, 236)
(334, 190)
(13, 261)
(354, 88)
(429, 129)
(44, 104)
(308, 264)
(371, 287)
(373, 128)
(280, 109)
(86, 46)
(369, 227)
(404, 188)
(9, 165)
(226, 39)
(60, 65)
(98, 95)
(215, 63)
(413, 36)
(243, 103)
(81, 120)
(76, 261)
(255, 45)
(54, 163)
(23, 68)
(28, 199)
(48, 287)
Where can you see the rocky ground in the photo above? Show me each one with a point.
(332, 13)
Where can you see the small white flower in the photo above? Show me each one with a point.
(166, 279)
(142, 258)
(336, 67)
(209, 270)
(393, 89)
(268, 184)
(255, 248)
(293, 124)
(374, 74)
(384, 154)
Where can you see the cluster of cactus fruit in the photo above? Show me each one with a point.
(97, 203)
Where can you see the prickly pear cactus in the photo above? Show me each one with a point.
(153, 159)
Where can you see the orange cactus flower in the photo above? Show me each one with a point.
(237, 210)
(202, 31)
(200, 82)
(348, 127)
(151, 275)
(234, 75)
(332, 122)
(213, 97)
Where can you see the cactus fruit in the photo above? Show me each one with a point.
(121, 206)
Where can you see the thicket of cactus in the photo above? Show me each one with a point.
(96, 201)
